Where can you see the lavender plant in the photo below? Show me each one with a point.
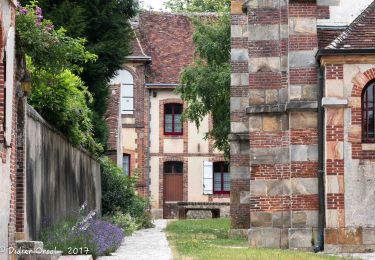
(83, 230)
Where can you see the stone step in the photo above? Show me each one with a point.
(40, 256)
(29, 245)
(34, 250)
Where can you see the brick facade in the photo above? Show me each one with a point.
(155, 67)
(12, 206)
(274, 136)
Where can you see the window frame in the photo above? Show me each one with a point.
(365, 111)
(222, 191)
(129, 160)
(173, 132)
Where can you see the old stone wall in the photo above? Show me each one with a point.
(59, 177)
(350, 166)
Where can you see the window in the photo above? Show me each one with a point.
(172, 119)
(126, 164)
(173, 167)
(368, 112)
(221, 178)
(125, 79)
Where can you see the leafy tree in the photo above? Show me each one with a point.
(105, 26)
(52, 57)
(205, 85)
(198, 5)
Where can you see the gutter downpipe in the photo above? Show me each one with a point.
(148, 143)
(321, 149)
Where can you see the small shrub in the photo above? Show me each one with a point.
(118, 191)
(99, 237)
(63, 237)
(124, 221)
(104, 235)
(146, 221)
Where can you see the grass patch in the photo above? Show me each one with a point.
(208, 239)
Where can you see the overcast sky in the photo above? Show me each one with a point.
(155, 4)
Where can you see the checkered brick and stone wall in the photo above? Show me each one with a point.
(274, 139)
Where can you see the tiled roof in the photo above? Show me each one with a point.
(360, 34)
(167, 39)
(327, 34)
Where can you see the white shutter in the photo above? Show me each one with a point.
(9, 84)
(127, 99)
(207, 178)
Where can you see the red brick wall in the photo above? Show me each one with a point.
(167, 38)
(335, 71)
(12, 149)
(112, 117)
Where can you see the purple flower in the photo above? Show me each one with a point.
(23, 10)
(106, 236)
(49, 27)
(38, 11)
(38, 23)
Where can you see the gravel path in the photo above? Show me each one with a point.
(144, 245)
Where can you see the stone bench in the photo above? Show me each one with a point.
(214, 207)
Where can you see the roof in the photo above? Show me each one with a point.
(360, 34)
(167, 39)
(326, 34)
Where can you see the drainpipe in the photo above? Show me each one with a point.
(321, 170)
(148, 167)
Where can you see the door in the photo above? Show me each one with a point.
(173, 188)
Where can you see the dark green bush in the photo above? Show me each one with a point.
(118, 191)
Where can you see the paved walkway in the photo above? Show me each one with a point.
(369, 256)
(145, 244)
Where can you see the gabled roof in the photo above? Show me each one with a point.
(360, 34)
(326, 34)
(137, 52)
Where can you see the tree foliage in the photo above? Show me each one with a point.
(205, 85)
(198, 5)
(105, 26)
(53, 58)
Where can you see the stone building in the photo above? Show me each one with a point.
(302, 124)
(7, 126)
(172, 159)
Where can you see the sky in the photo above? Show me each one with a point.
(155, 4)
(346, 12)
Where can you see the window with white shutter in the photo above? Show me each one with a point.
(207, 178)
(125, 79)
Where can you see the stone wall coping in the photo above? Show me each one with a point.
(188, 203)
(334, 102)
(259, 109)
(239, 137)
(282, 108)
(302, 105)
(368, 147)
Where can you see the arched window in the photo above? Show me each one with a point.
(221, 178)
(172, 119)
(173, 167)
(368, 112)
(126, 80)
